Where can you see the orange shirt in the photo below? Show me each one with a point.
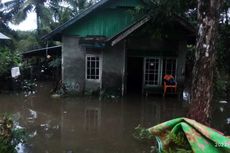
(168, 77)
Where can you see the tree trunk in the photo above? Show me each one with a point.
(38, 20)
(202, 83)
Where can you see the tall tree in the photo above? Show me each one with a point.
(67, 9)
(39, 7)
(205, 56)
(6, 14)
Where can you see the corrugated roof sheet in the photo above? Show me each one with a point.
(2, 36)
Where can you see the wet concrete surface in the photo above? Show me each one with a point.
(86, 124)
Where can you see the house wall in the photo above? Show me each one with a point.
(73, 67)
(73, 64)
(114, 67)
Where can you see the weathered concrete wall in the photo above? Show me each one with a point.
(113, 67)
(73, 64)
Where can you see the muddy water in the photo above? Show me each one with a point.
(85, 125)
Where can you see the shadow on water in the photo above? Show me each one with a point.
(85, 124)
(221, 116)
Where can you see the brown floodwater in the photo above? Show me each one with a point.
(86, 124)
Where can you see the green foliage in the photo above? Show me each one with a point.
(8, 60)
(10, 136)
(177, 142)
(163, 10)
(143, 135)
(220, 88)
(222, 74)
(26, 40)
(55, 63)
(223, 54)
(49, 12)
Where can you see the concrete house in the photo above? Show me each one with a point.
(108, 47)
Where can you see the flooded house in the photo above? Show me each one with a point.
(109, 47)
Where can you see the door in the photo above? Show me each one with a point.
(152, 73)
(134, 75)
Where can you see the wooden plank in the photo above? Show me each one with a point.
(130, 30)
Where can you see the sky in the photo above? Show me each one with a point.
(27, 25)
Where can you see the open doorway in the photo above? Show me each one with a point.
(134, 75)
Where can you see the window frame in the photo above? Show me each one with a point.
(164, 69)
(99, 67)
(159, 72)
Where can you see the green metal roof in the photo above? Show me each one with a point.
(106, 22)
(106, 18)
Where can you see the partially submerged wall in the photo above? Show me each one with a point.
(73, 64)
(112, 64)
(114, 68)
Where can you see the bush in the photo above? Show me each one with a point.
(10, 136)
(8, 60)
(178, 142)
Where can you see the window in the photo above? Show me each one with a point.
(92, 67)
(152, 67)
(169, 66)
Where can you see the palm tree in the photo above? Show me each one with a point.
(67, 9)
(43, 14)
(6, 14)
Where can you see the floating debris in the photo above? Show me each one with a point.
(55, 95)
(56, 127)
(186, 96)
(221, 109)
(223, 102)
(46, 126)
(228, 120)
(33, 114)
(33, 134)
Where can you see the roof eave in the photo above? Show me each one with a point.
(128, 30)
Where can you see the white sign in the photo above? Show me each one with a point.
(15, 72)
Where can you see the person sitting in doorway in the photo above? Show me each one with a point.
(169, 79)
(169, 82)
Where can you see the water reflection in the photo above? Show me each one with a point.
(86, 125)
(221, 116)
(92, 118)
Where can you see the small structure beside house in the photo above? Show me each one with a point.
(38, 63)
(108, 47)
